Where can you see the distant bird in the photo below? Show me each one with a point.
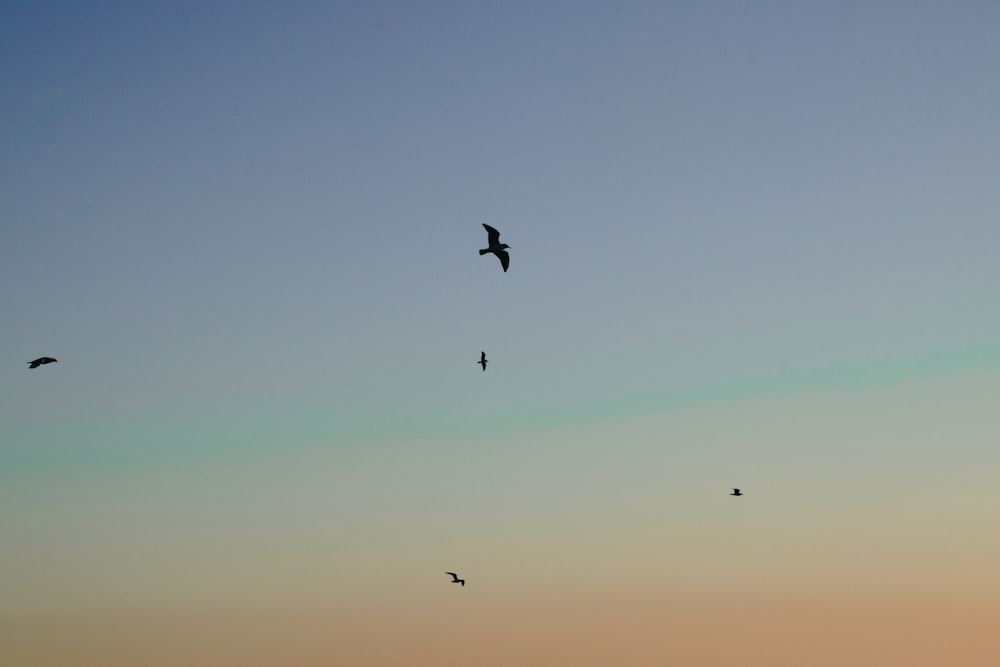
(455, 579)
(40, 361)
(736, 492)
(482, 360)
(497, 248)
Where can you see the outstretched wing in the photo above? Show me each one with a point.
(504, 259)
(453, 576)
(492, 234)
(34, 364)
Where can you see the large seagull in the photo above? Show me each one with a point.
(497, 248)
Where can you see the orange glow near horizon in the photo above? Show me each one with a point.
(754, 631)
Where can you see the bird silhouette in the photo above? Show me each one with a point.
(40, 361)
(455, 579)
(736, 492)
(497, 248)
(482, 360)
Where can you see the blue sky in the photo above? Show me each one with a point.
(289, 199)
(278, 210)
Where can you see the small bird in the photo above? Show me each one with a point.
(736, 492)
(497, 248)
(482, 360)
(455, 579)
(40, 361)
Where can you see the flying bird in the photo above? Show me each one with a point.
(455, 579)
(497, 248)
(736, 492)
(40, 361)
(482, 360)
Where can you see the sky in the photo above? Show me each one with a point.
(752, 245)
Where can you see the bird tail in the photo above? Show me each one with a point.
(484, 251)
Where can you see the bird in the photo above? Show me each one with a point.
(455, 579)
(736, 492)
(482, 360)
(497, 248)
(40, 361)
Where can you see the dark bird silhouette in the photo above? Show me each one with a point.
(736, 492)
(455, 579)
(40, 361)
(482, 360)
(497, 248)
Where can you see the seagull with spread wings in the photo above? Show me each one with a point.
(40, 361)
(736, 492)
(482, 360)
(497, 248)
(455, 579)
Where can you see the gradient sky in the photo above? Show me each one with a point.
(753, 244)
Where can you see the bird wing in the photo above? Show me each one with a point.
(482, 356)
(453, 575)
(34, 364)
(504, 259)
(493, 234)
